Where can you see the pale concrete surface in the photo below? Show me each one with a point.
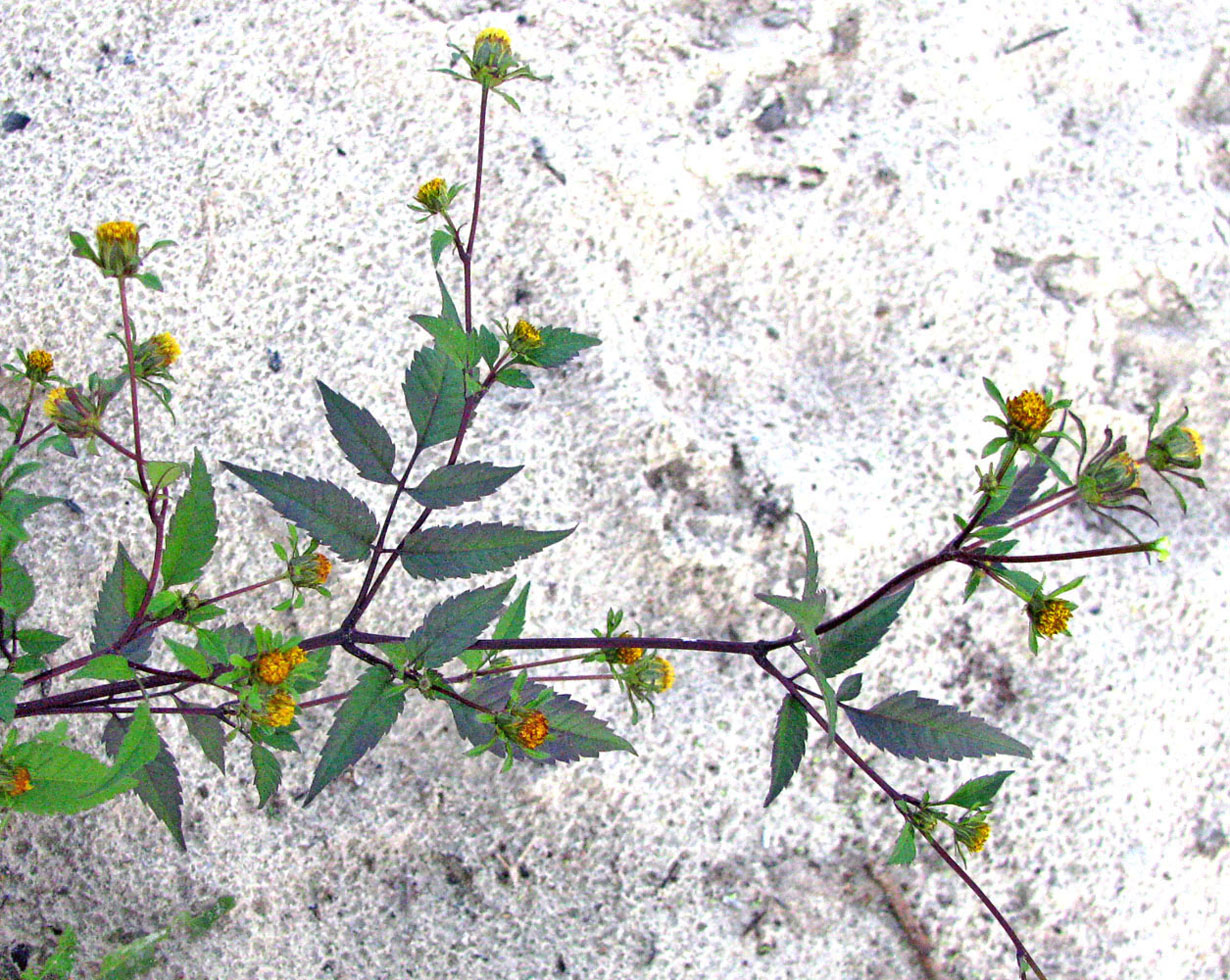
(796, 318)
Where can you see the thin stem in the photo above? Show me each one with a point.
(25, 414)
(468, 257)
(132, 386)
(1123, 549)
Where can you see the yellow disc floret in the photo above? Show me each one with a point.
(273, 667)
(17, 781)
(629, 655)
(117, 233)
(494, 39)
(1029, 412)
(526, 336)
(979, 836)
(279, 710)
(533, 730)
(663, 677)
(295, 656)
(1053, 618)
(51, 404)
(323, 568)
(433, 195)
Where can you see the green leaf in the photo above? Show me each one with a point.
(158, 782)
(978, 791)
(61, 963)
(811, 577)
(108, 667)
(435, 396)
(162, 474)
(208, 733)
(843, 647)
(454, 624)
(267, 772)
(471, 549)
(81, 246)
(362, 721)
(149, 280)
(64, 780)
(806, 613)
(10, 687)
(559, 344)
(512, 622)
(193, 530)
(440, 240)
(461, 484)
(190, 658)
(197, 924)
(15, 508)
(789, 743)
(851, 687)
(449, 337)
(18, 594)
(448, 309)
(364, 441)
(578, 732)
(139, 747)
(111, 615)
(327, 512)
(905, 850)
(514, 378)
(488, 346)
(911, 727)
(989, 385)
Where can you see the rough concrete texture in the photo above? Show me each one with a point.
(804, 232)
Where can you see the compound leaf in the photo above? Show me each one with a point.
(435, 396)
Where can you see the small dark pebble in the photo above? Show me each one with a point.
(19, 953)
(275, 360)
(130, 58)
(773, 117)
(72, 505)
(15, 122)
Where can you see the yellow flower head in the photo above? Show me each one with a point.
(51, 404)
(1196, 449)
(490, 45)
(526, 336)
(533, 730)
(118, 243)
(295, 656)
(1053, 618)
(978, 837)
(17, 781)
(662, 677)
(39, 364)
(167, 346)
(1028, 412)
(323, 568)
(629, 655)
(433, 195)
(273, 667)
(279, 710)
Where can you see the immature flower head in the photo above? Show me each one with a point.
(118, 244)
(15, 780)
(1028, 413)
(491, 46)
(434, 195)
(53, 402)
(660, 675)
(973, 833)
(1052, 618)
(73, 412)
(532, 730)
(154, 357)
(629, 655)
(39, 364)
(309, 570)
(1111, 475)
(1161, 548)
(272, 667)
(1177, 447)
(525, 337)
(279, 710)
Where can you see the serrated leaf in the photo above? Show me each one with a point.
(10, 687)
(108, 667)
(440, 240)
(18, 586)
(363, 440)
(1024, 487)
(805, 613)
(207, 732)
(162, 474)
(193, 530)
(435, 396)
(197, 924)
(63, 780)
(190, 658)
(905, 850)
(578, 732)
(16, 507)
(512, 621)
(789, 743)
(488, 346)
(138, 748)
(449, 337)
(267, 773)
(328, 513)
(149, 280)
(111, 615)
(978, 791)
(914, 727)
(359, 724)
(157, 783)
(450, 628)
(811, 577)
(843, 647)
(60, 964)
(514, 378)
(559, 344)
(462, 483)
(472, 549)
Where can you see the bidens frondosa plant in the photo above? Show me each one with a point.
(163, 645)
